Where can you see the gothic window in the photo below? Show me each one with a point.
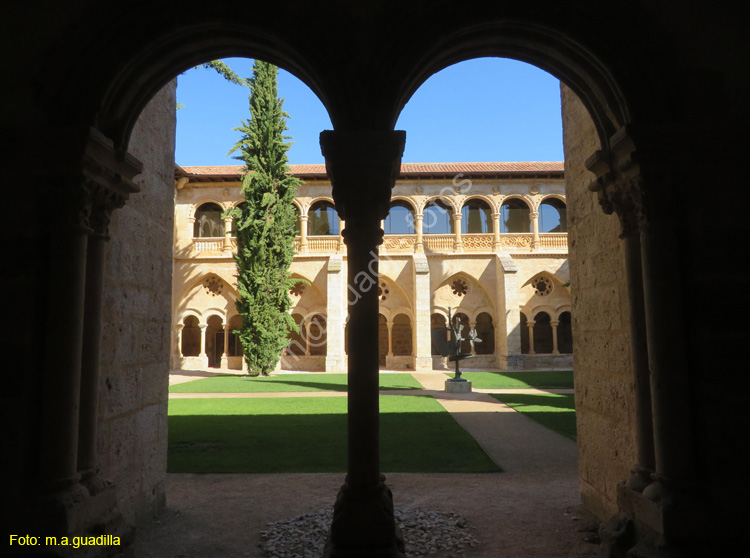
(476, 217)
(553, 216)
(322, 219)
(515, 217)
(437, 218)
(208, 221)
(400, 218)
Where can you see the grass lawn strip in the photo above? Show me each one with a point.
(554, 411)
(286, 435)
(287, 383)
(546, 379)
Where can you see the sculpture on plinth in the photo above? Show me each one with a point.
(452, 347)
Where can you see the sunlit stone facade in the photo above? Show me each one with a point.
(485, 241)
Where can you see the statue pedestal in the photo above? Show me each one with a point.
(457, 386)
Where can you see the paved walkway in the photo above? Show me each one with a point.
(531, 509)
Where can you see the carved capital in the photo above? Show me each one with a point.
(618, 183)
(104, 202)
(363, 167)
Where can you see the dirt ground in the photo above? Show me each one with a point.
(223, 515)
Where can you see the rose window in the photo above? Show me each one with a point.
(297, 290)
(383, 291)
(213, 285)
(460, 287)
(542, 285)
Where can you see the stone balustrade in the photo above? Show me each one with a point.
(407, 243)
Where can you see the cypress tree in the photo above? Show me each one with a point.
(264, 226)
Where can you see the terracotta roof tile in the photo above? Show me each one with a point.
(406, 168)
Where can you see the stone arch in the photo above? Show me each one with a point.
(401, 335)
(476, 212)
(517, 218)
(558, 220)
(485, 327)
(209, 224)
(403, 223)
(448, 294)
(321, 225)
(437, 215)
(542, 332)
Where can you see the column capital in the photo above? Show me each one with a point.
(363, 166)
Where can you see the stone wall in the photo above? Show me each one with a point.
(600, 323)
(135, 338)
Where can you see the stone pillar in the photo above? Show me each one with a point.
(60, 392)
(389, 325)
(508, 326)
(419, 244)
(178, 338)
(363, 166)
(458, 245)
(336, 316)
(496, 231)
(227, 234)
(225, 352)
(104, 202)
(530, 324)
(306, 326)
(303, 233)
(422, 305)
(534, 230)
(202, 354)
(554, 324)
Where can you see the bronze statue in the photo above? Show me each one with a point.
(452, 348)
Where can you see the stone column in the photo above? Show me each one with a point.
(534, 230)
(641, 188)
(178, 334)
(60, 390)
(306, 326)
(422, 300)
(227, 234)
(530, 324)
(623, 197)
(458, 245)
(225, 352)
(104, 202)
(554, 324)
(204, 328)
(363, 166)
(496, 231)
(419, 244)
(389, 325)
(303, 233)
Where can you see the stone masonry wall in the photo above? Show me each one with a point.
(136, 323)
(600, 323)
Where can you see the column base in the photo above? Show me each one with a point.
(423, 364)
(364, 525)
(674, 525)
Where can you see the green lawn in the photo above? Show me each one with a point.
(554, 411)
(285, 435)
(553, 379)
(287, 383)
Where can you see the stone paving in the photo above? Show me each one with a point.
(531, 509)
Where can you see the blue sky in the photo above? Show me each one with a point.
(488, 109)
